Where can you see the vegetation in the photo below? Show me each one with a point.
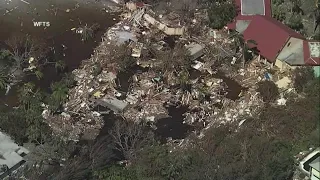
(220, 12)
(87, 32)
(60, 91)
(25, 123)
(176, 59)
(268, 91)
(302, 76)
(262, 149)
(302, 16)
(246, 47)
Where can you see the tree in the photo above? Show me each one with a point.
(174, 60)
(13, 123)
(302, 76)
(268, 91)
(60, 91)
(129, 137)
(244, 45)
(31, 100)
(116, 172)
(90, 159)
(3, 80)
(295, 22)
(220, 12)
(27, 53)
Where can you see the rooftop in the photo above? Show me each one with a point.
(315, 164)
(262, 28)
(11, 153)
(311, 52)
(248, 9)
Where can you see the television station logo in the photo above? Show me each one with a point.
(41, 24)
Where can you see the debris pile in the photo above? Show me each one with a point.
(145, 35)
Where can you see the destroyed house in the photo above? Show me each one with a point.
(247, 10)
(11, 155)
(280, 45)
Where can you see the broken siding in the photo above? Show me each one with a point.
(167, 30)
(292, 52)
(282, 65)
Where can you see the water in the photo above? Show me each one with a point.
(234, 88)
(19, 20)
(173, 126)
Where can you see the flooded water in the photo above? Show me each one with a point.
(234, 88)
(63, 15)
(173, 126)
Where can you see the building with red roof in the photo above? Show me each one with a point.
(281, 45)
(248, 9)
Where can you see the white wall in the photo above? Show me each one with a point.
(292, 49)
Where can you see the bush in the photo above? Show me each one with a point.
(268, 91)
(221, 12)
(295, 22)
(301, 78)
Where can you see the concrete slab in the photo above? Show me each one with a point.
(195, 50)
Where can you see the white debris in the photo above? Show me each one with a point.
(127, 28)
(67, 116)
(90, 90)
(241, 122)
(150, 118)
(95, 113)
(25, 1)
(31, 59)
(281, 101)
(45, 114)
(234, 59)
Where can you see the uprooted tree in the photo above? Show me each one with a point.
(129, 137)
(27, 53)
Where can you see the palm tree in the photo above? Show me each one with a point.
(3, 81)
(60, 92)
(26, 93)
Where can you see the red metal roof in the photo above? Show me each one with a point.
(308, 59)
(270, 35)
(139, 4)
(267, 4)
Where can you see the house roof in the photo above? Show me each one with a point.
(311, 52)
(10, 152)
(270, 35)
(249, 8)
(315, 164)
